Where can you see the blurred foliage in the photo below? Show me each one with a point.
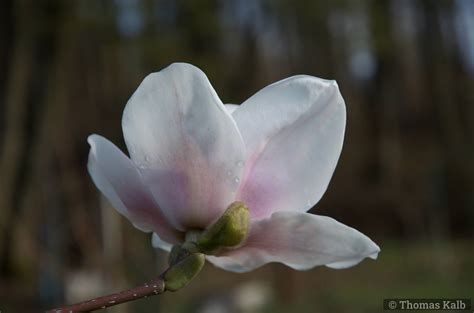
(405, 68)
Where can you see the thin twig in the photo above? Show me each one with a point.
(154, 287)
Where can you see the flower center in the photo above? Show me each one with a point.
(193, 235)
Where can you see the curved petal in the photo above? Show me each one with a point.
(293, 131)
(177, 130)
(157, 242)
(118, 179)
(228, 264)
(301, 241)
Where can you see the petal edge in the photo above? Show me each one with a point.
(293, 131)
(118, 179)
(300, 241)
(177, 129)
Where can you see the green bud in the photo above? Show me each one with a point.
(181, 273)
(229, 231)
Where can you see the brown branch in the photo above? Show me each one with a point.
(184, 266)
(154, 287)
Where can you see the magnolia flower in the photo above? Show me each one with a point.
(191, 156)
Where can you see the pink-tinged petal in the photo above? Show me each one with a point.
(301, 241)
(119, 180)
(228, 264)
(293, 131)
(187, 144)
(159, 243)
(231, 107)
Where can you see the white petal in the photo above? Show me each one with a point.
(350, 263)
(231, 107)
(118, 179)
(301, 241)
(176, 127)
(293, 131)
(157, 242)
(228, 264)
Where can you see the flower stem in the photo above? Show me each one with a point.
(179, 274)
(151, 288)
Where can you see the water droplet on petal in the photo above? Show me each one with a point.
(236, 180)
(229, 173)
(240, 163)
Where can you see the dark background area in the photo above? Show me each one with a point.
(405, 177)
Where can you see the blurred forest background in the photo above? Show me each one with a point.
(405, 177)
